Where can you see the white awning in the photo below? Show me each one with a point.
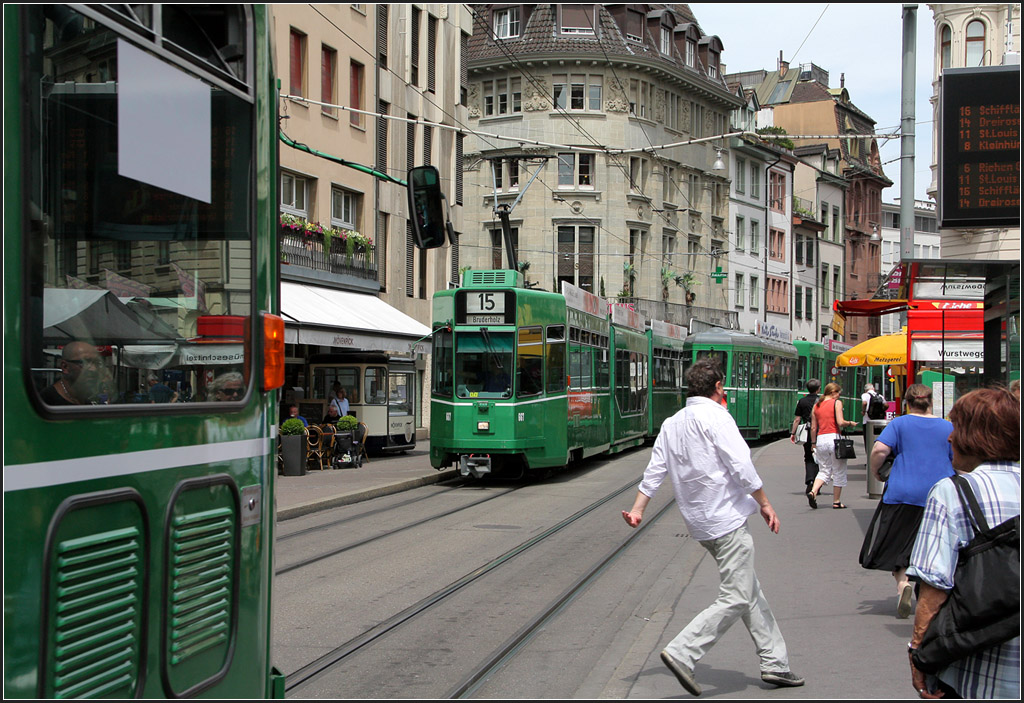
(350, 321)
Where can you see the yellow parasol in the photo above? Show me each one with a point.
(887, 350)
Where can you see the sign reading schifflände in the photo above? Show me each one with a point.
(979, 147)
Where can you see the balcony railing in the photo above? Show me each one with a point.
(341, 258)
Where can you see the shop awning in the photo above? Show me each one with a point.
(887, 350)
(869, 308)
(348, 321)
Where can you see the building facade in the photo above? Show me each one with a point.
(360, 83)
(927, 245)
(592, 102)
(800, 101)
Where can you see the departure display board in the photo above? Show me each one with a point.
(979, 147)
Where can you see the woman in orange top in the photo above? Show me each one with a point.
(826, 421)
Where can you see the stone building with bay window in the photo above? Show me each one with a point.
(589, 100)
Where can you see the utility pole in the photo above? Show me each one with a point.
(907, 132)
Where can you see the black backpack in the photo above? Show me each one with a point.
(877, 407)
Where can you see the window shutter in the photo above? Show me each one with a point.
(410, 249)
(458, 169)
(382, 35)
(431, 53)
(382, 137)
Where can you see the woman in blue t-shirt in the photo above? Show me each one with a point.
(920, 443)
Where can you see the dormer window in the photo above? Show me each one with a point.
(577, 19)
(506, 23)
(666, 40)
(691, 53)
(634, 26)
(713, 61)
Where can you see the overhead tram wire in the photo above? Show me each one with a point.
(643, 130)
(463, 128)
(579, 128)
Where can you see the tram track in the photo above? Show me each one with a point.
(471, 683)
(317, 668)
(383, 535)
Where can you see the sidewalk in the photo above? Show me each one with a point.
(380, 476)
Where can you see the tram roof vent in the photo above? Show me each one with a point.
(493, 279)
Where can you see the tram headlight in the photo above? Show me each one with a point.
(483, 426)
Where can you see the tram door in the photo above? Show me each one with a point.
(747, 383)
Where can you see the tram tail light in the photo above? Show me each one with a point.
(273, 352)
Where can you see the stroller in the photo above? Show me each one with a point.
(350, 448)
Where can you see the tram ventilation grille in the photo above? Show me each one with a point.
(98, 615)
(202, 548)
(491, 278)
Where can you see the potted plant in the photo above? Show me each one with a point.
(347, 427)
(293, 447)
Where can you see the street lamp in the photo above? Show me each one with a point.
(719, 165)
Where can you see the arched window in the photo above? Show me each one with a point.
(975, 44)
(946, 44)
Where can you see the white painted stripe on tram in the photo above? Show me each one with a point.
(20, 477)
(472, 403)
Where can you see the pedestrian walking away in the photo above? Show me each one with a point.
(804, 407)
(716, 489)
(923, 456)
(826, 422)
(986, 453)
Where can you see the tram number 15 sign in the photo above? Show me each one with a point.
(485, 308)
(979, 147)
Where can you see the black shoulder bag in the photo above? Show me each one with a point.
(983, 609)
(843, 445)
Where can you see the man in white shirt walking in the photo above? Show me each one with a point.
(716, 489)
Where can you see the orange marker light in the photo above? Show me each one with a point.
(273, 352)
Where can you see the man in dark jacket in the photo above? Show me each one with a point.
(803, 414)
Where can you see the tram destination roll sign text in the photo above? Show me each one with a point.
(979, 152)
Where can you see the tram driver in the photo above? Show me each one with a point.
(496, 378)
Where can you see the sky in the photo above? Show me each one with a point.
(864, 41)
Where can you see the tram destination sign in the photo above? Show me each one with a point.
(979, 147)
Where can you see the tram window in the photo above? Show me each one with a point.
(717, 357)
(556, 359)
(483, 363)
(601, 368)
(376, 386)
(400, 393)
(530, 361)
(139, 227)
(327, 379)
(442, 381)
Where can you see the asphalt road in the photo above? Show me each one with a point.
(837, 618)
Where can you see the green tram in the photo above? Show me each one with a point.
(525, 380)
(139, 448)
(760, 378)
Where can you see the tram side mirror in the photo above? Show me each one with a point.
(427, 213)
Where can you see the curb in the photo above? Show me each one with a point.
(359, 496)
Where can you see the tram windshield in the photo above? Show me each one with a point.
(138, 219)
(483, 364)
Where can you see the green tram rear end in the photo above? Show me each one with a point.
(140, 213)
(760, 378)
